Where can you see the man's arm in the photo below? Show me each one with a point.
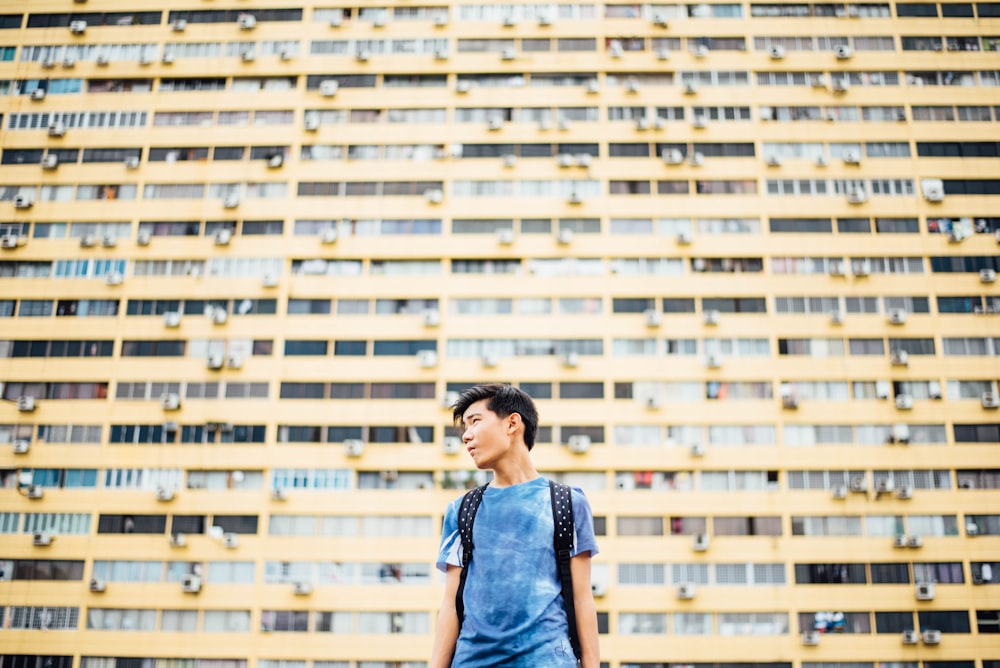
(586, 611)
(446, 632)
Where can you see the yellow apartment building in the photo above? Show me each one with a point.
(744, 254)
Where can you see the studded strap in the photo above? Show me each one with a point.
(466, 519)
(562, 516)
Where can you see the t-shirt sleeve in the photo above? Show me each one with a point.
(450, 551)
(583, 520)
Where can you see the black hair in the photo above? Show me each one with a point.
(502, 399)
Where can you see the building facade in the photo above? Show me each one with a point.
(744, 255)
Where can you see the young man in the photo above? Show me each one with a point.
(514, 611)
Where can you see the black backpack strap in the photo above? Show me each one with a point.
(466, 518)
(562, 517)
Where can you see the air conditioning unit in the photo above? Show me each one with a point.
(653, 403)
(990, 400)
(48, 63)
(490, 361)
(379, 21)
(810, 638)
(508, 54)
(699, 122)
(836, 317)
(690, 87)
(336, 20)
(570, 359)
(700, 51)
(987, 275)
(171, 426)
(427, 359)
(88, 241)
(219, 316)
(172, 319)
(899, 358)
(509, 21)
(98, 585)
(914, 541)
(41, 539)
(851, 157)
(21, 446)
(686, 591)
(171, 401)
(840, 85)
(442, 53)
(884, 486)
(57, 129)
(652, 317)
(932, 189)
(897, 316)
(901, 433)
(925, 591)
(565, 236)
(109, 240)
(191, 584)
(231, 202)
(434, 196)
(711, 317)
(222, 236)
(275, 161)
(777, 52)
(899, 541)
(697, 159)
(354, 447)
(858, 485)
(822, 161)
(905, 492)
(579, 443)
(230, 540)
(789, 401)
(673, 157)
(463, 86)
(178, 540)
(659, 19)
(35, 492)
(818, 81)
(774, 161)
(26, 404)
(180, 25)
(431, 318)
(700, 542)
(599, 587)
(269, 280)
(329, 87)
(910, 637)
(839, 492)
(452, 445)
(593, 86)
(505, 236)
(362, 55)
(164, 494)
(697, 450)
(302, 588)
(78, 27)
(311, 122)
(247, 22)
(843, 52)
(931, 637)
(216, 361)
(50, 161)
(9, 241)
(904, 402)
(545, 19)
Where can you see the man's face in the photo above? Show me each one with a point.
(486, 436)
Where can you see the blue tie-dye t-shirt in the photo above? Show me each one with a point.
(514, 614)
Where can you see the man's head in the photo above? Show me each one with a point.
(503, 400)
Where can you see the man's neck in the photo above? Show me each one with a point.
(514, 471)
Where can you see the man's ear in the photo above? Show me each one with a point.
(514, 422)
